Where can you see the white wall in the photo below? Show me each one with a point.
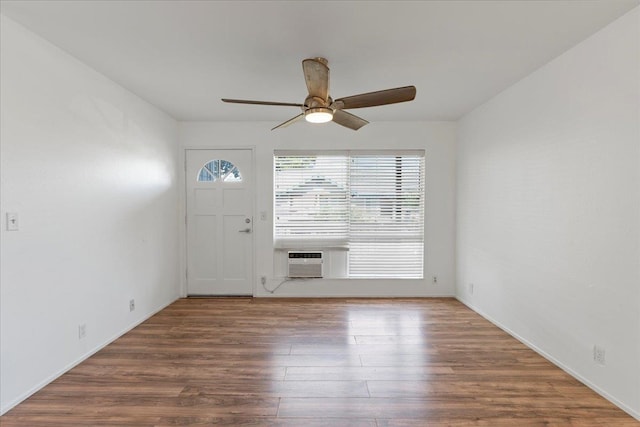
(548, 206)
(438, 139)
(91, 170)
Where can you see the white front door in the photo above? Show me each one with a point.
(219, 185)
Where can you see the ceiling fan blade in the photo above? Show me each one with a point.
(372, 99)
(316, 74)
(246, 101)
(348, 120)
(289, 122)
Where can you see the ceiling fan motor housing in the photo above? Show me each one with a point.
(315, 102)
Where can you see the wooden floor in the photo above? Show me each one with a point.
(337, 362)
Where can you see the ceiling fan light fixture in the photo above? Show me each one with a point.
(318, 115)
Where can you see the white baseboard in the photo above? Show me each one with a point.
(15, 402)
(550, 358)
(353, 295)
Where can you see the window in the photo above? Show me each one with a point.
(311, 199)
(219, 170)
(370, 203)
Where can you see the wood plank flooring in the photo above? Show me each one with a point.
(316, 362)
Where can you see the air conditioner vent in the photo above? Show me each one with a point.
(305, 264)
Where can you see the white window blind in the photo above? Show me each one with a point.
(386, 233)
(373, 204)
(311, 200)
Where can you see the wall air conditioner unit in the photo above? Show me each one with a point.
(305, 264)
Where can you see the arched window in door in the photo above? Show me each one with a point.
(222, 170)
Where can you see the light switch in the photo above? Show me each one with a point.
(12, 221)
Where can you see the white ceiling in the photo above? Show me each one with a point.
(183, 56)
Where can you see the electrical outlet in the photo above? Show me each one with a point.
(471, 288)
(263, 280)
(82, 331)
(599, 355)
(132, 305)
(435, 280)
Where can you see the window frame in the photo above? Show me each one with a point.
(348, 242)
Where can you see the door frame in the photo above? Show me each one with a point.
(182, 216)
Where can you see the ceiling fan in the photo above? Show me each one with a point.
(318, 107)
